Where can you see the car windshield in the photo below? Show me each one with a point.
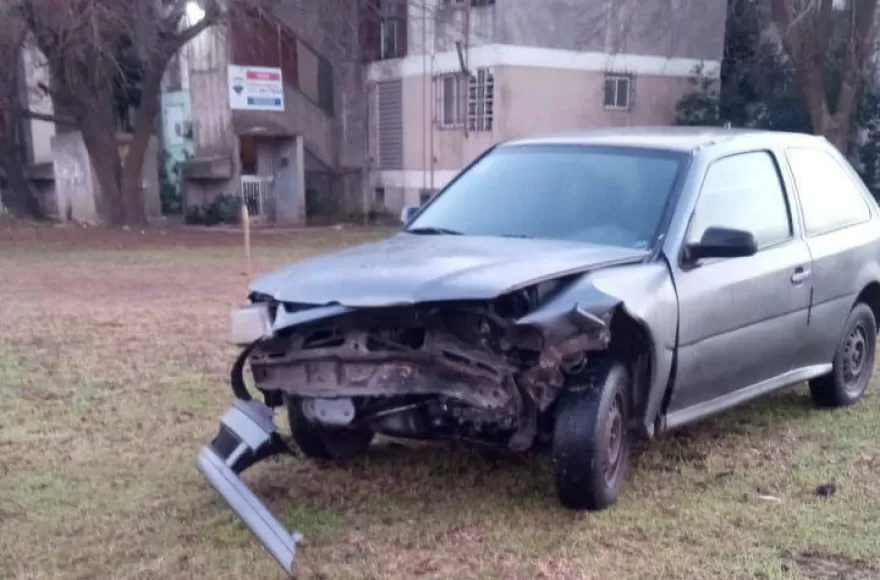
(604, 196)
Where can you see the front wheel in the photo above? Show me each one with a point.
(591, 441)
(853, 362)
(317, 441)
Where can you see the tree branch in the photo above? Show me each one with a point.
(29, 114)
(174, 38)
(861, 32)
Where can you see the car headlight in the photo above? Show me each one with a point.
(250, 323)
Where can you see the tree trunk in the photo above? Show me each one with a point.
(20, 200)
(132, 169)
(806, 36)
(97, 123)
(99, 137)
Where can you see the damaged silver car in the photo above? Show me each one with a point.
(566, 293)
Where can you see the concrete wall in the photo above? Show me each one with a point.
(176, 145)
(532, 100)
(213, 132)
(77, 194)
(549, 67)
(40, 132)
(673, 28)
(336, 139)
(290, 187)
(301, 116)
(330, 28)
(527, 100)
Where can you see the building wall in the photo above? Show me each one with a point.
(213, 135)
(177, 144)
(549, 68)
(40, 133)
(671, 28)
(315, 45)
(532, 100)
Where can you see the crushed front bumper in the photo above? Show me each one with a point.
(247, 435)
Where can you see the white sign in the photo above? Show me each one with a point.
(256, 88)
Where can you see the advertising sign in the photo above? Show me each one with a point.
(256, 88)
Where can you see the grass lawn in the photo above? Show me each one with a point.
(113, 373)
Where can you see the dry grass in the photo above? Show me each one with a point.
(112, 375)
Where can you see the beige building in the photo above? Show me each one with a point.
(384, 101)
(461, 75)
(378, 103)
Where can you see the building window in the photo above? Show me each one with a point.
(379, 195)
(325, 86)
(388, 31)
(477, 107)
(450, 99)
(391, 27)
(481, 100)
(618, 89)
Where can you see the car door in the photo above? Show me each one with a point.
(842, 241)
(739, 318)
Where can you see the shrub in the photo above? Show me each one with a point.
(223, 209)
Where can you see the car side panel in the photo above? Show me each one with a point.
(738, 317)
(649, 297)
(844, 262)
(706, 351)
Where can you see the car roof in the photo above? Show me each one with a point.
(673, 138)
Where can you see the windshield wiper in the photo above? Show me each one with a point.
(434, 231)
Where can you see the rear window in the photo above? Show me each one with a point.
(830, 197)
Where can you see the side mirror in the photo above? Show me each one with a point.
(407, 213)
(723, 243)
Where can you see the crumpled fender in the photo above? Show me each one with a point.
(645, 292)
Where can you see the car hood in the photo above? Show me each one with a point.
(408, 268)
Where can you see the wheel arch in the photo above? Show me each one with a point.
(870, 295)
(632, 342)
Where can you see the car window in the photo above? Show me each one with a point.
(830, 198)
(596, 195)
(743, 192)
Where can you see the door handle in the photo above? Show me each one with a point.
(800, 276)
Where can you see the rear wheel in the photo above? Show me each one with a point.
(853, 362)
(321, 442)
(591, 441)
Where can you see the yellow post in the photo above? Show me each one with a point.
(246, 224)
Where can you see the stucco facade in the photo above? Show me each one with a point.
(563, 65)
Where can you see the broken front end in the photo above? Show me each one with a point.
(486, 372)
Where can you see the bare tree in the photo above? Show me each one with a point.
(84, 42)
(20, 199)
(807, 28)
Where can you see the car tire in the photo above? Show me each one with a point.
(853, 363)
(317, 441)
(591, 440)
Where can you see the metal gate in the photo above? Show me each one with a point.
(258, 194)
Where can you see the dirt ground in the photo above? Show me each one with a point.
(113, 373)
